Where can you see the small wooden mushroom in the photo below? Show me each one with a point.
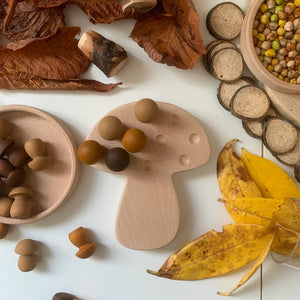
(137, 6)
(149, 214)
(21, 207)
(105, 54)
(36, 149)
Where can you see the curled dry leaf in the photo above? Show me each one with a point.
(100, 11)
(252, 210)
(214, 254)
(269, 177)
(28, 22)
(264, 223)
(7, 81)
(233, 178)
(286, 243)
(56, 57)
(170, 34)
(46, 3)
(254, 267)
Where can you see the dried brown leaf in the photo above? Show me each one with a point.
(56, 58)
(29, 22)
(14, 82)
(46, 3)
(170, 34)
(100, 11)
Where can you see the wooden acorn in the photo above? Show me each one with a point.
(105, 54)
(26, 249)
(79, 238)
(36, 149)
(21, 207)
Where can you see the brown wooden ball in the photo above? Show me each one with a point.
(134, 140)
(117, 159)
(90, 152)
(110, 128)
(145, 110)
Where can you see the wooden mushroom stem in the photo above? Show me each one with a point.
(138, 6)
(105, 54)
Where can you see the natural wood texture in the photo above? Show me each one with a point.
(105, 54)
(137, 6)
(148, 215)
(51, 187)
(288, 105)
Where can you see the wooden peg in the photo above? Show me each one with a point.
(105, 54)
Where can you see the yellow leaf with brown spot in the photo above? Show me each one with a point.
(252, 210)
(288, 215)
(253, 268)
(286, 242)
(214, 254)
(233, 178)
(273, 181)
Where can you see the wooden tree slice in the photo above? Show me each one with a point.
(226, 91)
(148, 216)
(227, 65)
(279, 136)
(224, 21)
(51, 187)
(215, 49)
(250, 103)
(291, 158)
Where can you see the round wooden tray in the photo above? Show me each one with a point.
(251, 59)
(54, 185)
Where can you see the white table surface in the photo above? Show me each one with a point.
(115, 272)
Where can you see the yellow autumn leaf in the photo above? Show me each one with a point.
(288, 215)
(252, 210)
(233, 178)
(287, 242)
(214, 254)
(272, 181)
(253, 268)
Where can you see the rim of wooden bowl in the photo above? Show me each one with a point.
(74, 172)
(251, 59)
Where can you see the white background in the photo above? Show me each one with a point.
(115, 272)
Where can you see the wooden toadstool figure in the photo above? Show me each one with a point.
(148, 215)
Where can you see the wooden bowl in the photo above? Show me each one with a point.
(51, 187)
(251, 59)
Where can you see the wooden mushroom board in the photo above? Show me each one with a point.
(149, 214)
(52, 186)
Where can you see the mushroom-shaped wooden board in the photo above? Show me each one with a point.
(148, 215)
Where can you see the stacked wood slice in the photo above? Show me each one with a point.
(240, 95)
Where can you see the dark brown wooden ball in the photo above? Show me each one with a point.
(90, 152)
(117, 159)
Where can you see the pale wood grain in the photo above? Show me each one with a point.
(148, 216)
(55, 184)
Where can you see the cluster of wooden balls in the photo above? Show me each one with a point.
(111, 128)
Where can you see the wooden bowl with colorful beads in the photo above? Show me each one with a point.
(251, 59)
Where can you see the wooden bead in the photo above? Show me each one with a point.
(90, 152)
(134, 140)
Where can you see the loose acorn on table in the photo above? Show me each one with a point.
(79, 238)
(26, 249)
